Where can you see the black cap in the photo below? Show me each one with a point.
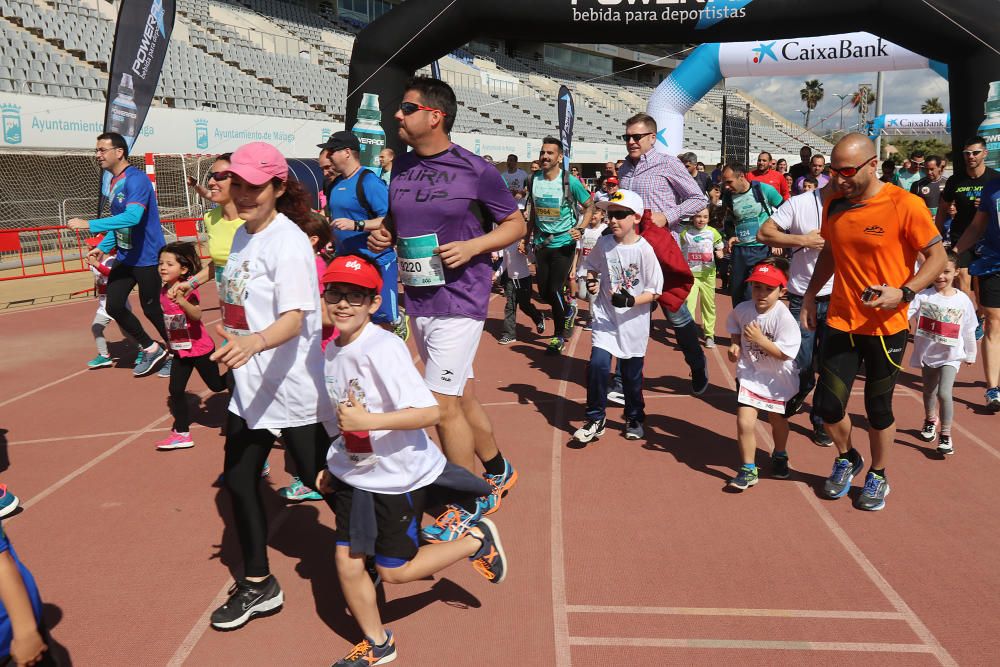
(339, 140)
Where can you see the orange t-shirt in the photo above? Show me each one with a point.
(874, 242)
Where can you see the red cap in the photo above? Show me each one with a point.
(259, 162)
(611, 180)
(768, 274)
(353, 270)
(94, 241)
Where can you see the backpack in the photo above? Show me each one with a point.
(758, 195)
(359, 191)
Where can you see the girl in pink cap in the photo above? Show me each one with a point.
(272, 324)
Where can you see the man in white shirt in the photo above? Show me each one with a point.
(516, 180)
(796, 226)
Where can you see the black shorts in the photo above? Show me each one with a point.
(989, 290)
(397, 520)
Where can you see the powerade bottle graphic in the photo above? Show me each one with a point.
(990, 127)
(369, 132)
(123, 110)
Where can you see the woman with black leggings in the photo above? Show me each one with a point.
(272, 325)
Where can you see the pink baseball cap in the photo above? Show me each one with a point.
(259, 162)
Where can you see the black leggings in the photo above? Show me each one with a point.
(246, 451)
(180, 372)
(551, 269)
(841, 358)
(120, 283)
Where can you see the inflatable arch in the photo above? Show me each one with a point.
(963, 34)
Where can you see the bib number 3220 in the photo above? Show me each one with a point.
(418, 265)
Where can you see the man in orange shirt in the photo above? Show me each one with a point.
(874, 232)
(765, 174)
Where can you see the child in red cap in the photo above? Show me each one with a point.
(765, 341)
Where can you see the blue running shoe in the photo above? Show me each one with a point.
(501, 484)
(745, 478)
(979, 329)
(164, 371)
(872, 498)
(453, 523)
(145, 363)
(843, 474)
(366, 653)
(8, 501)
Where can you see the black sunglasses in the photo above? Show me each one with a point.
(333, 297)
(218, 176)
(619, 214)
(410, 108)
(635, 137)
(848, 172)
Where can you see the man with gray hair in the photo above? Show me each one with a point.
(690, 161)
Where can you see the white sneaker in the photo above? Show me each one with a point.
(589, 431)
(709, 342)
(616, 397)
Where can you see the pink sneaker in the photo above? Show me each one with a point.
(175, 441)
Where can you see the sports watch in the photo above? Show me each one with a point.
(359, 225)
(908, 294)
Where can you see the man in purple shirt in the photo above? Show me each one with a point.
(448, 210)
(817, 163)
(672, 194)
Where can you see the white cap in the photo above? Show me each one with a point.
(625, 199)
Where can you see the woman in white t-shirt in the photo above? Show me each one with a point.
(272, 325)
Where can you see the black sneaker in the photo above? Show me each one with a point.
(699, 381)
(507, 339)
(779, 467)
(490, 561)
(540, 325)
(821, 437)
(246, 600)
(367, 653)
(839, 481)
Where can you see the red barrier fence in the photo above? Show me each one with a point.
(31, 252)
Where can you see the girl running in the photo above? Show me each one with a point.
(187, 338)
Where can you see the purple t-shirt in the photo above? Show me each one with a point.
(442, 194)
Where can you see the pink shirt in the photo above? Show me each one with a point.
(186, 337)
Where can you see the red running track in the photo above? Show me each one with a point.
(620, 552)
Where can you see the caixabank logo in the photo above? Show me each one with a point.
(801, 51)
(11, 114)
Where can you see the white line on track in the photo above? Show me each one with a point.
(724, 611)
(751, 644)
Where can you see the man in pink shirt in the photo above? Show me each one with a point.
(765, 174)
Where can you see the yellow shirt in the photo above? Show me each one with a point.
(220, 235)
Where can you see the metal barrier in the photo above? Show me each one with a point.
(32, 252)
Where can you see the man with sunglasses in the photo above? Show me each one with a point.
(873, 233)
(672, 195)
(909, 175)
(448, 211)
(135, 223)
(964, 189)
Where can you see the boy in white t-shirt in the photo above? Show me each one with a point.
(944, 338)
(766, 339)
(515, 278)
(588, 239)
(625, 277)
(381, 464)
(701, 246)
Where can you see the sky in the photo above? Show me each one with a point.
(904, 92)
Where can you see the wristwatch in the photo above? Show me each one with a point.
(359, 225)
(908, 294)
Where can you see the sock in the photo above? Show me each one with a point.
(878, 471)
(496, 465)
(851, 455)
(932, 420)
(383, 644)
(780, 455)
(750, 466)
(945, 429)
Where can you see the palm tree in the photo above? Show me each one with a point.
(811, 95)
(932, 105)
(856, 102)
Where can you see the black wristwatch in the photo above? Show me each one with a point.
(908, 294)
(359, 225)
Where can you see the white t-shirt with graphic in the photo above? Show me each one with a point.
(757, 370)
(267, 274)
(624, 332)
(945, 329)
(586, 243)
(378, 368)
(800, 215)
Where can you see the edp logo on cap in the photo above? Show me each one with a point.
(353, 264)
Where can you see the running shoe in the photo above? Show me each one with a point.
(145, 363)
(872, 498)
(699, 381)
(100, 361)
(779, 466)
(507, 339)
(402, 327)
(839, 481)
(266, 470)
(745, 478)
(929, 430)
(556, 345)
(616, 395)
(980, 332)
(175, 441)
(8, 501)
(588, 325)
(366, 653)
(540, 324)
(589, 431)
(501, 485)
(633, 430)
(993, 399)
(246, 600)
(453, 523)
(164, 371)
(709, 342)
(821, 437)
(944, 445)
(296, 492)
(490, 561)
(571, 312)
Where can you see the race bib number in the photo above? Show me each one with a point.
(234, 283)
(940, 325)
(123, 238)
(699, 257)
(747, 397)
(588, 244)
(418, 265)
(358, 459)
(178, 334)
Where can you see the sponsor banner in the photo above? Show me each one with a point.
(567, 112)
(933, 123)
(699, 14)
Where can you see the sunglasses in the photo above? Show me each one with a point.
(848, 172)
(635, 137)
(972, 153)
(333, 297)
(619, 214)
(409, 108)
(218, 176)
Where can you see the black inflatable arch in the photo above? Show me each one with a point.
(965, 34)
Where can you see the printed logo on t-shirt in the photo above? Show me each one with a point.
(940, 323)
(874, 230)
(234, 294)
(755, 351)
(626, 278)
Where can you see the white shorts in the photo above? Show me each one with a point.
(447, 346)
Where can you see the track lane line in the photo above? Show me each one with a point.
(723, 611)
(751, 644)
